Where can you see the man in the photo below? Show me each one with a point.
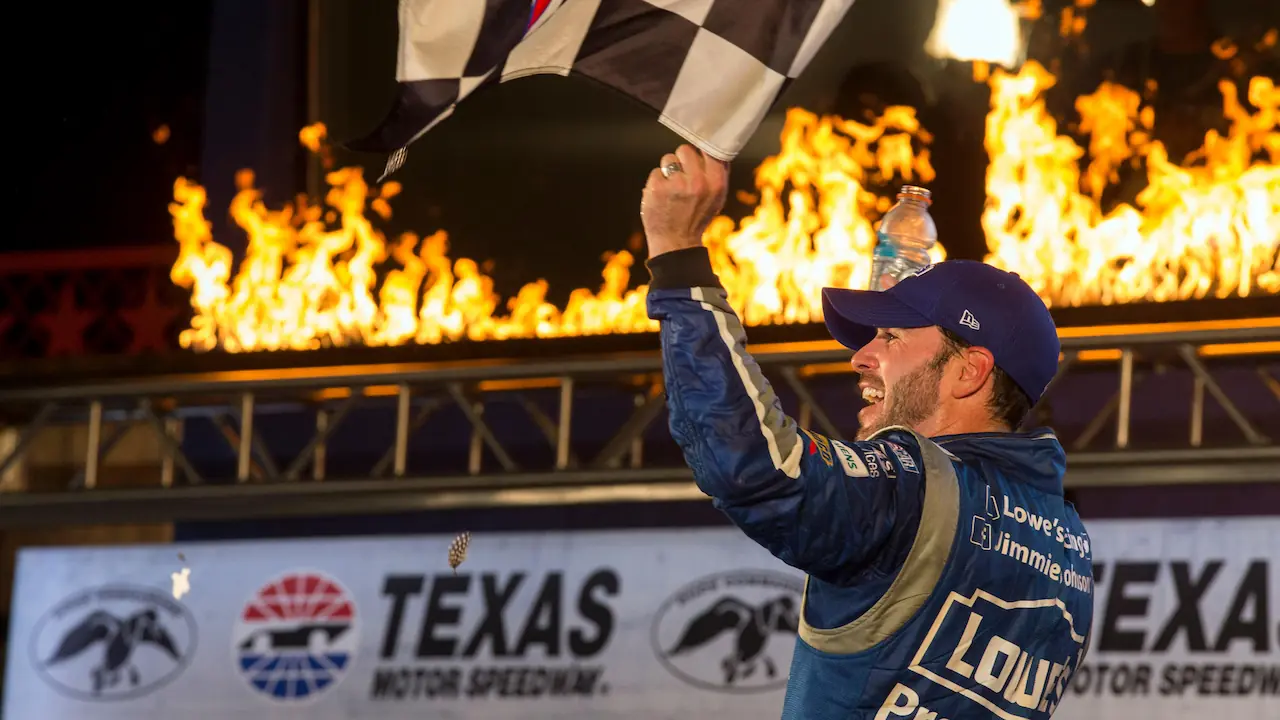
(947, 577)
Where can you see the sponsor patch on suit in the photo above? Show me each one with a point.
(819, 445)
(849, 460)
(878, 460)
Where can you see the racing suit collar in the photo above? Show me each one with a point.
(1035, 458)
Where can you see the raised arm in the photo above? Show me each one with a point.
(824, 506)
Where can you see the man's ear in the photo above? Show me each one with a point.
(975, 368)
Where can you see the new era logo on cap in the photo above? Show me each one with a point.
(968, 320)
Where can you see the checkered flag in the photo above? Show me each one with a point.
(711, 69)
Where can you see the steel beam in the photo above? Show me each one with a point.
(425, 411)
(259, 397)
(228, 502)
(369, 497)
(326, 423)
(648, 407)
(1202, 375)
(563, 433)
(779, 355)
(548, 427)
(815, 410)
(173, 429)
(90, 469)
(169, 443)
(33, 428)
(482, 430)
(245, 454)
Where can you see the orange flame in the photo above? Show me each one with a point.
(1210, 227)
(309, 275)
(1207, 228)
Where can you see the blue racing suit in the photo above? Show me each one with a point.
(947, 577)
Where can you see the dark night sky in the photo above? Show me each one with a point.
(541, 175)
(87, 171)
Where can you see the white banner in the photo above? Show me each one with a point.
(635, 624)
(1186, 622)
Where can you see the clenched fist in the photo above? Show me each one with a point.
(682, 196)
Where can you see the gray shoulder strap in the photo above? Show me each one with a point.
(920, 572)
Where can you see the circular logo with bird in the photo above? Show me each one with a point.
(732, 632)
(296, 636)
(114, 642)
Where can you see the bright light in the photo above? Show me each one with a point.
(985, 30)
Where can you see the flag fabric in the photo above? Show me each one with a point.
(711, 69)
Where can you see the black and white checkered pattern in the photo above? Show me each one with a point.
(710, 68)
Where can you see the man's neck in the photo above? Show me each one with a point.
(940, 424)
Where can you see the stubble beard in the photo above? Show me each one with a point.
(913, 398)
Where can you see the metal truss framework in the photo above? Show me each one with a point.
(239, 402)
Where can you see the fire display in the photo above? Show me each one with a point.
(320, 274)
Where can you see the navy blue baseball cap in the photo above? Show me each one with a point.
(984, 305)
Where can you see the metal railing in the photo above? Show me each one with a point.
(239, 402)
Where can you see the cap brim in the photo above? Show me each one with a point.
(853, 316)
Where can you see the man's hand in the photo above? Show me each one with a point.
(676, 207)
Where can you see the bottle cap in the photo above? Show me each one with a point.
(917, 192)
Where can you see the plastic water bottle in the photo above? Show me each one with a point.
(905, 235)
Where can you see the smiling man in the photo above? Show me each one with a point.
(941, 556)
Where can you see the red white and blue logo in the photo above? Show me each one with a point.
(296, 636)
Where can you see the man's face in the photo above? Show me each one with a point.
(901, 377)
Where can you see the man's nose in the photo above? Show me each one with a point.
(865, 359)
